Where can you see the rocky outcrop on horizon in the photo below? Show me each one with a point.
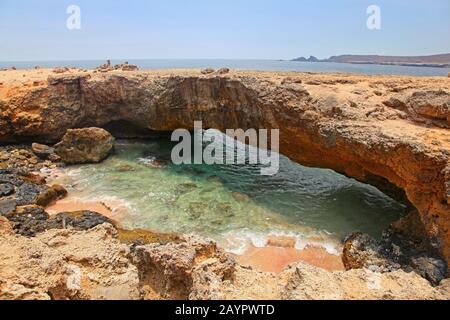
(391, 132)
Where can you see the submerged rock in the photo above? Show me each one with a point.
(152, 162)
(125, 168)
(281, 242)
(90, 145)
(241, 197)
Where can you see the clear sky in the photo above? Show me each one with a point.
(237, 29)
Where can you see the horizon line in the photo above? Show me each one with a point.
(249, 59)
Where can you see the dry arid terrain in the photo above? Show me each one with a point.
(389, 131)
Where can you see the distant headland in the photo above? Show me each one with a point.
(438, 60)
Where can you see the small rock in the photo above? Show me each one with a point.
(434, 270)
(79, 220)
(7, 206)
(6, 227)
(378, 93)
(42, 151)
(125, 168)
(33, 178)
(223, 71)
(291, 80)
(6, 189)
(241, 197)
(60, 70)
(129, 67)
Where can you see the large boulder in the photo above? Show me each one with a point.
(89, 145)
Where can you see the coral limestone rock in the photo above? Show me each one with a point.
(89, 145)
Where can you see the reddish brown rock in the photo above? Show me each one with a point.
(329, 121)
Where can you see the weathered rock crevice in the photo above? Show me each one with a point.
(324, 121)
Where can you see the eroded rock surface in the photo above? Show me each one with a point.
(88, 145)
(64, 264)
(391, 132)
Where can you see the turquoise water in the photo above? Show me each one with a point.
(232, 204)
(267, 65)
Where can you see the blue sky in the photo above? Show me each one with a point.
(235, 29)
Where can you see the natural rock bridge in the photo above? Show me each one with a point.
(391, 132)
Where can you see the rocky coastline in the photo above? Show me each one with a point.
(392, 132)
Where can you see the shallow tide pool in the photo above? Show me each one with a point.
(233, 204)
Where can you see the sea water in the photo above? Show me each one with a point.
(232, 204)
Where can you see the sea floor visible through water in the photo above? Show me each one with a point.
(234, 205)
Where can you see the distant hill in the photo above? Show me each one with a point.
(438, 60)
